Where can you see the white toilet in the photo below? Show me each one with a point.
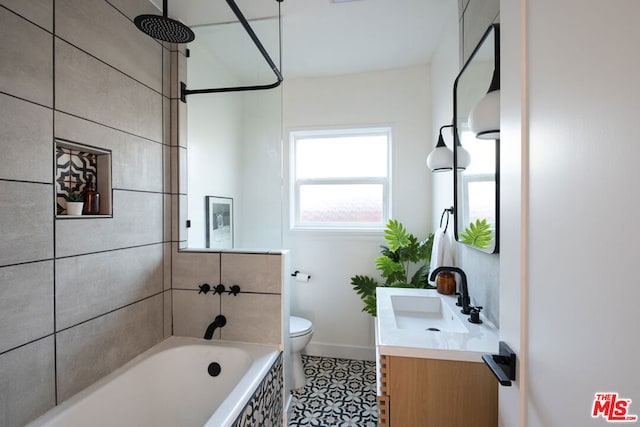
(300, 332)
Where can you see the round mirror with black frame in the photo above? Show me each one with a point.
(476, 151)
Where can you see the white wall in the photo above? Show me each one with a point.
(401, 98)
(444, 69)
(579, 270)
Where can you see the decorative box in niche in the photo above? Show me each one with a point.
(82, 172)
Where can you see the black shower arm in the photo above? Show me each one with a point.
(236, 10)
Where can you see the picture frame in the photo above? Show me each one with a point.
(219, 227)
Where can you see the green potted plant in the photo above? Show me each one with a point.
(397, 259)
(75, 201)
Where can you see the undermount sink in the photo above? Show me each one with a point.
(425, 313)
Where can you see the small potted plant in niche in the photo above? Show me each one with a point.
(394, 264)
(75, 201)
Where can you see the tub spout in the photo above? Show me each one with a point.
(219, 322)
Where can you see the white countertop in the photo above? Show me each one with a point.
(468, 346)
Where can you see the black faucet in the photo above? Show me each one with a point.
(219, 322)
(463, 299)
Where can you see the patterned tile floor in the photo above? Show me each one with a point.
(339, 393)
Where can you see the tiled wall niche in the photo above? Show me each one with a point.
(76, 165)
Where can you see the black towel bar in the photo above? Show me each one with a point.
(448, 211)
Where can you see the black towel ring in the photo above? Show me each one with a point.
(448, 211)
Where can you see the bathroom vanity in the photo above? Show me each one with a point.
(430, 370)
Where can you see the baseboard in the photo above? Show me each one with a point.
(340, 351)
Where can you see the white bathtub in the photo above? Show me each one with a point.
(169, 385)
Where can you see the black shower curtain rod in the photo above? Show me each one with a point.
(236, 10)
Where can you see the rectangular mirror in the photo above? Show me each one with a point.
(476, 152)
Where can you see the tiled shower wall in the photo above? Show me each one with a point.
(254, 315)
(78, 298)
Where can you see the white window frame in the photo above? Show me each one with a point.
(295, 183)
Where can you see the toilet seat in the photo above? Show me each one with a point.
(299, 326)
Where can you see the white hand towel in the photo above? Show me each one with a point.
(436, 249)
(441, 251)
(446, 257)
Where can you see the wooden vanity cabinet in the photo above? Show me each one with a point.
(436, 393)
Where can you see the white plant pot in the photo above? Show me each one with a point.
(74, 208)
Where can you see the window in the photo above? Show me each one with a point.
(478, 183)
(340, 178)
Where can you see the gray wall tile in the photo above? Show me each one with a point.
(26, 140)
(88, 88)
(137, 220)
(26, 68)
(179, 214)
(178, 123)
(178, 170)
(39, 12)
(134, 8)
(166, 165)
(175, 218)
(26, 222)
(89, 351)
(101, 30)
(27, 388)
(175, 78)
(166, 72)
(181, 218)
(91, 92)
(193, 312)
(252, 272)
(167, 217)
(136, 163)
(91, 285)
(191, 269)
(182, 124)
(253, 318)
(168, 318)
(173, 111)
(174, 161)
(167, 266)
(26, 303)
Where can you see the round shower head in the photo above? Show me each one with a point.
(165, 29)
